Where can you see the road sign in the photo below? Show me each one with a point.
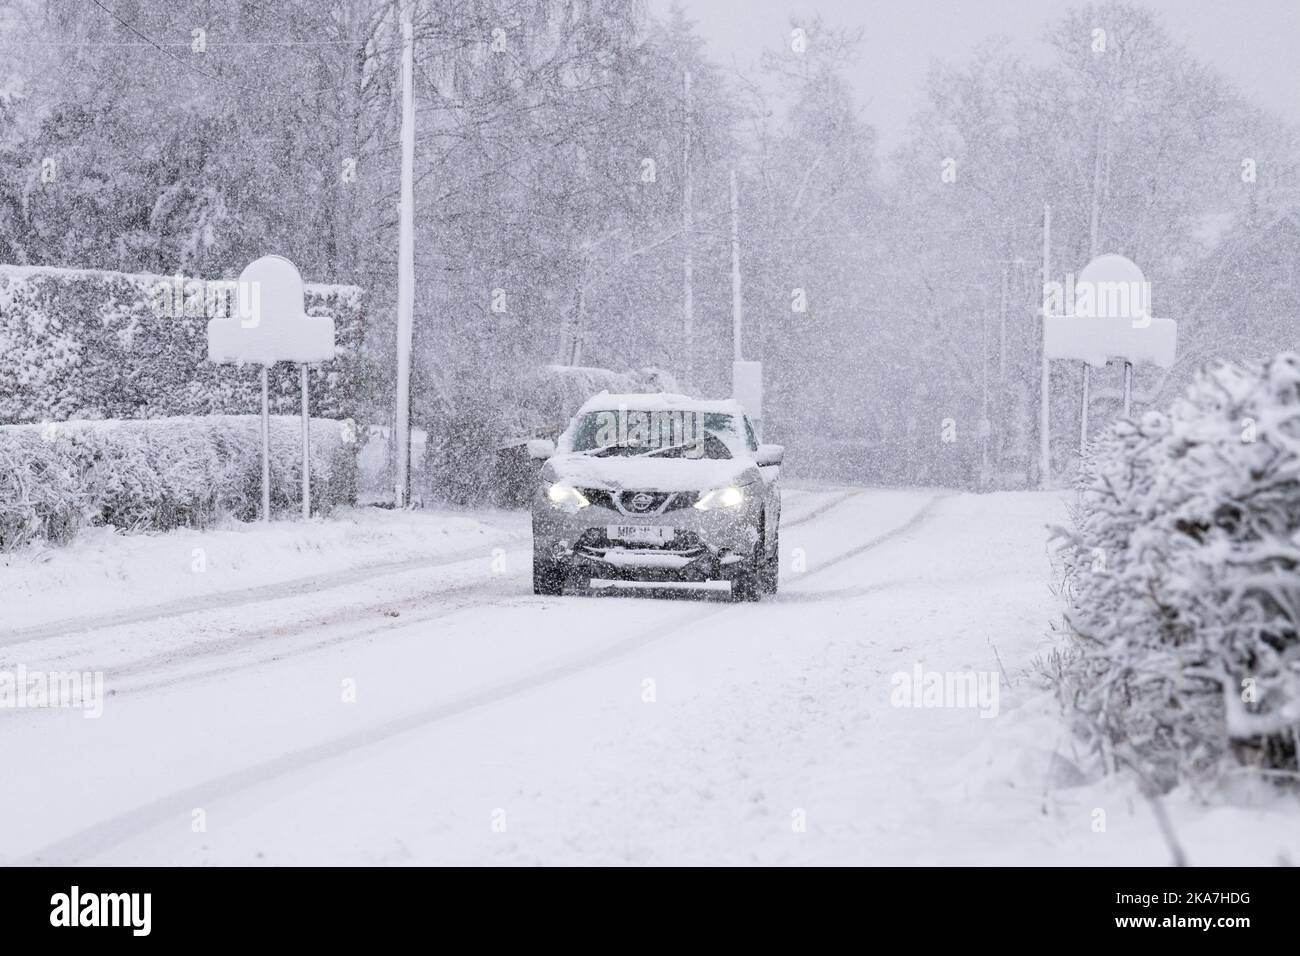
(1107, 317)
(270, 325)
(1101, 316)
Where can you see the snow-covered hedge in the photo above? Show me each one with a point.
(80, 343)
(1183, 581)
(162, 473)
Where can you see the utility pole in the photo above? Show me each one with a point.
(1044, 394)
(735, 271)
(688, 263)
(985, 429)
(405, 269)
(579, 321)
(1002, 329)
(1093, 225)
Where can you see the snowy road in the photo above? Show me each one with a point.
(432, 710)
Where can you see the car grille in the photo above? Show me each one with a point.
(675, 500)
(595, 540)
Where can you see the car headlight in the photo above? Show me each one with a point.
(566, 497)
(729, 496)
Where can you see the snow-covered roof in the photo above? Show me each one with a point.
(659, 402)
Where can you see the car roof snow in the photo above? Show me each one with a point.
(660, 402)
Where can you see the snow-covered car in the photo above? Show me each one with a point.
(657, 488)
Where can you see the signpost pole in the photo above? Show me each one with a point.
(1128, 388)
(306, 448)
(266, 445)
(1083, 415)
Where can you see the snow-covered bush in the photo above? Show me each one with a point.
(161, 473)
(78, 343)
(1182, 577)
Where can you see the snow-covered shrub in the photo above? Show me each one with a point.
(159, 474)
(80, 343)
(1182, 579)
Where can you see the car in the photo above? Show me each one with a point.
(657, 488)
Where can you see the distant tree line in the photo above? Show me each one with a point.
(892, 299)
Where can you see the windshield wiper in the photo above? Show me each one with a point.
(605, 449)
(693, 443)
(664, 449)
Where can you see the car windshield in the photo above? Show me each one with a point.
(660, 434)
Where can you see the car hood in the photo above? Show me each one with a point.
(648, 474)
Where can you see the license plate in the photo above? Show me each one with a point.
(639, 533)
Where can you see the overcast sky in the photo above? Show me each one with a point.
(1255, 44)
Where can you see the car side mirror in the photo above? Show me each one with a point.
(769, 455)
(540, 449)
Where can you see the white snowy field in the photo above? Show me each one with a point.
(385, 688)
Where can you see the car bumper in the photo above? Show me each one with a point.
(705, 545)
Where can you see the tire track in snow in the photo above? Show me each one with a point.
(133, 823)
(296, 587)
(922, 515)
(821, 509)
(225, 600)
(246, 640)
